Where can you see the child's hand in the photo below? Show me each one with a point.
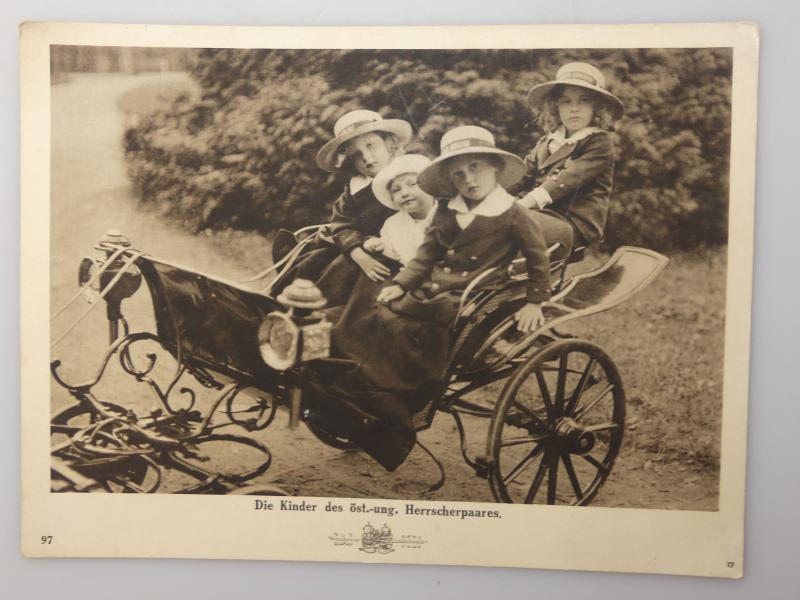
(536, 198)
(374, 244)
(374, 269)
(529, 317)
(393, 292)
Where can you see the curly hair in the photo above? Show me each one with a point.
(547, 116)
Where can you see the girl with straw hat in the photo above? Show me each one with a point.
(363, 143)
(570, 169)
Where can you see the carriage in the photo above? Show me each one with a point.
(554, 403)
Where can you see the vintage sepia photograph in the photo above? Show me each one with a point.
(455, 277)
(244, 213)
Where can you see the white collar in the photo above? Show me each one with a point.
(359, 182)
(560, 135)
(495, 203)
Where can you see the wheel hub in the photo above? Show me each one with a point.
(573, 436)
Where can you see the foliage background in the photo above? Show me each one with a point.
(240, 153)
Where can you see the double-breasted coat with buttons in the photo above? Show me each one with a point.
(579, 179)
(449, 257)
(402, 349)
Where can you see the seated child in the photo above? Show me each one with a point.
(570, 169)
(401, 344)
(479, 227)
(363, 143)
(396, 187)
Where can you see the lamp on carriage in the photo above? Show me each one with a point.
(300, 333)
(111, 275)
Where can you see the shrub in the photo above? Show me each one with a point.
(242, 154)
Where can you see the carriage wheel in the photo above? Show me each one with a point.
(557, 427)
(259, 490)
(115, 468)
(77, 416)
(218, 461)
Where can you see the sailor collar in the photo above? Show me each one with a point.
(495, 203)
(559, 136)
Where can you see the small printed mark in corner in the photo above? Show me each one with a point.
(731, 564)
(46, 539)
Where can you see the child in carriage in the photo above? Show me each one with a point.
(396, 187)
(401, 343)
(570, 169)
(363, 144)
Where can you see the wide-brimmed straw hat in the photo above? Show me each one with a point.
(407, 163)
(468, 139)
(582, 75)
(353, 124)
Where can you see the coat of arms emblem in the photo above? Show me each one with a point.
(376, 540)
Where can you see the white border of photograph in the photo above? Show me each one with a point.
(590, 538)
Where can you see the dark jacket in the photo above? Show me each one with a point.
(578, 178)
(355, 218)
(449, 257)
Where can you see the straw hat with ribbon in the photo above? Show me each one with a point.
(582, 75)
(407, 163)
(459, 141)
(353, 124)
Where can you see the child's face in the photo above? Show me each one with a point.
(575, 108)
(409, 196)
(474, 177)
(369, 153)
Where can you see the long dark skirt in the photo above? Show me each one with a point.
(401, 351)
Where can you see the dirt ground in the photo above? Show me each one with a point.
(91, 194)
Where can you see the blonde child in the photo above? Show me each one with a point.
(396, 187)
(570, 170)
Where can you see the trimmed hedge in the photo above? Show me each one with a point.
(242, 154)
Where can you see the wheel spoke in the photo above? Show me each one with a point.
(537, 480)
(516, 441)
(602, 427)
(573, 476)
(521, 465)
(530, 413)
(561, 383)
(595, 463)
(591, 404)
(548, 403)
(587, 372)
(552, 480)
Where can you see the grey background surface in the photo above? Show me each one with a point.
(771, 526)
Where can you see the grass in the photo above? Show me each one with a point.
(668, 345)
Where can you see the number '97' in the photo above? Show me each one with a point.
(47, 539)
